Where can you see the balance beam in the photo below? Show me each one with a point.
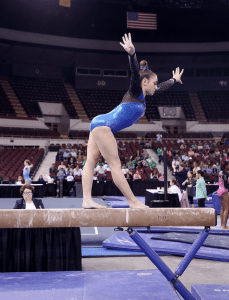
(117, 217)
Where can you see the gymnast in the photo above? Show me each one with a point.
(222, 192)
(26, 171)
(101, 138)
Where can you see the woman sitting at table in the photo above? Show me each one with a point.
(175, 188)
(28, 202)
(137, 176)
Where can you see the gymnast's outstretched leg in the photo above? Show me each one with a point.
(224, 210)
(93, 154)
(107, 145)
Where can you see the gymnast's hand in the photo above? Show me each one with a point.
(127, 44)
(177, 75)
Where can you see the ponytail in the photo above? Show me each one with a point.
(175, 183)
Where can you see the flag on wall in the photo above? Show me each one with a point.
(66, 3)
(145, 21)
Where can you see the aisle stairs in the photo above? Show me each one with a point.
(161, 166)
(16, 104)
(46, 164)
(76, 102)
(197, 107)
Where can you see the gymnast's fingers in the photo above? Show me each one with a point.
(126, 37)
(173, 73)
(182, 72)
(123, 38)
(122, 44)
(130, 37)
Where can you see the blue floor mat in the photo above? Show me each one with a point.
(210, 291)
(100, 251)
(122, 241)
(213, 241)
(91, 285)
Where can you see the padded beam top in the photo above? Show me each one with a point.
(110, 217)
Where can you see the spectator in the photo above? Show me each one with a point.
(84, 162)
(175, 188)
(73, 153)
(214, 170)
(145, 154)
(71, 160)
(201, 192)
(128, 176)
(137, 176)
(170, 152)
(176, 152)
(181, 176)
(190, 183)
(40, 179)
(80, 158)
(100, 169)
(179, 141)
(218, 167)
(28, 202)
(200, 147)
(124, 169)
(185, 157)
(143, 143)
(190, 152)
(61, 173)
(122, 158)
(106, 167)
(95, 176)
(175, 164)
(77, 171)
(183, 146)
(140, 168)
(222, 142)
(159, 154)
(61, 150)
(217, 153)
(66, 154)
(194, 146)
(159, 138)
(19, 181)
(154, 175)
(70, 177)
(67, 172)
(62, 166)
(53, 170)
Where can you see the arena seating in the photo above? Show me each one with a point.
(31, 90)
(168, 98)
(185, 135)
(5, 107)
(215, 104)
(12, 162)
(96, 102)
(28, 132)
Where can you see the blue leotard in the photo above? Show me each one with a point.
(26, 172)
(132, 106)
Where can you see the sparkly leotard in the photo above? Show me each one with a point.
(26, 172)
(132, 106)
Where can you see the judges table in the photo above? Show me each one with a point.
(155, 198)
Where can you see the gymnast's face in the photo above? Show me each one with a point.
(149, 86)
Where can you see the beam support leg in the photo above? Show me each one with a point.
(162, 267)
(192, 251)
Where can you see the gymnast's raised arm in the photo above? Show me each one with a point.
(167, 84)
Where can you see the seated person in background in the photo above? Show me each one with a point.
(170, 152)
(205, 146)
(183, 146)
(66, 154)
(185, 157)
(200, 147)
(71, 168)
(71, 160)
(41, 179)
(175, 165)
(145, 154)
(79, 159)
(106, 167)
(77, 171)
(61, 150)
(122, 158)
(124, 169)
(28, 202)
(175, 188)
(95, 176)
(176, 152)
(128, 176)
(20, 180)
(194, 146)
(61, 174)
(84, 162)
(222, 142)
(100, 169)
(137, 176)
(205, 155)
(190, 152)
(214, 170)
(217, 153)
(67, 173)
(218, 167)
(53, 169)
(143, 143)
(145, 164)
(154, 175)
(73, 153)
(70, 177)
(140, 168)
(62, 166)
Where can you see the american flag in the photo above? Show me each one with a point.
(146, 21)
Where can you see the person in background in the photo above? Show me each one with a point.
(154, 175)
(19, 180)
(53, 170)
(128, 176)
(201, 192)
(137, 176)
(70, 177)
(26, 171)
(175, 165)
(61, 174)
(159, 138)
(189, 183)
(159, 154)
(175, 189)
(77, 171)
(73, 153)
(181, 176)
(84, 162)
(214, 170)
(41, 179)
(124, 169)
(222, 192)
(28, 202)
(100, 169)
(62, 166)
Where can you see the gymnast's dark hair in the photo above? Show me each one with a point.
(144, 71)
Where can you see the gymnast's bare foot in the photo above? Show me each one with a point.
(138, 204)
(90, 204)
(224, 227)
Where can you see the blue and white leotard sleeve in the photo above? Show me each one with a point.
(132, 106)
(26, 172)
